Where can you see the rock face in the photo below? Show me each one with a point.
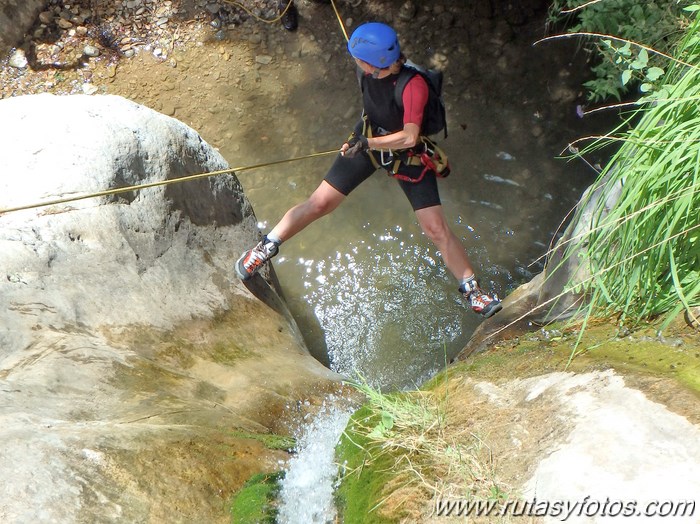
(134, 367)
(586, 448)
(16, 17)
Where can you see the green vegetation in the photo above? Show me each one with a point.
(401, 450)
(255, 502)
(365, 474)
(674, 356)
(643, 252)
(269, 440)
(610, 27)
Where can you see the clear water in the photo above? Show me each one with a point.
(368, 289)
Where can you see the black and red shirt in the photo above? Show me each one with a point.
(381, 108)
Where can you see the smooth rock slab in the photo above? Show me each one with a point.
(133, 364)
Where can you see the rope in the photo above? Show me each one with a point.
(116, 191)
(340, 21)
(258, 18)
(277, 19)
(138, 187)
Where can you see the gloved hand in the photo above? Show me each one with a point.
(357, 143)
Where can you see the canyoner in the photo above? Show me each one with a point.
(392, 136)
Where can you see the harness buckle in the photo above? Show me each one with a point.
(388, 160)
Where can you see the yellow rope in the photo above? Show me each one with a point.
(119, 190)
(188, 178)
(264, 20)
(340, 21)
(289, 3)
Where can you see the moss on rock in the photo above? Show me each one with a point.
(256, 502)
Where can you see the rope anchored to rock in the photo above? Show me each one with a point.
(137, 187)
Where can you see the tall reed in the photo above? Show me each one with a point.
(644, 252)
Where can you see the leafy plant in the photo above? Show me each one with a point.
(619, 65)
(643, 252)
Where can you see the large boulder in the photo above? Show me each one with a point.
(137, 373)
(582, 448)
(16, 18)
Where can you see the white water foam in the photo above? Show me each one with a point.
(307, 489)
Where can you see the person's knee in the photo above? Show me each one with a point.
(320, 206)
(437, 231)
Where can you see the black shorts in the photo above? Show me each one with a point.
(347, 173)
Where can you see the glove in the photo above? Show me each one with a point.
(357, 143)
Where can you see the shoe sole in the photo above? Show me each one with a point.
(242, 276)
(492, 311)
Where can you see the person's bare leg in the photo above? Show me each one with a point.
(321, 202)
(434, 224)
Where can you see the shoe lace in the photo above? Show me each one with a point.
(259, 255)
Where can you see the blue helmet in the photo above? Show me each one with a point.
(376, 44)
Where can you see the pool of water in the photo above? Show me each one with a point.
(368, 289)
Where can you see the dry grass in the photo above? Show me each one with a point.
(430, 456)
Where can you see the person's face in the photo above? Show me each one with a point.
(367, 68)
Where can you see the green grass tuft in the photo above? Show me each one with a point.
(255, 503)
(643, 250)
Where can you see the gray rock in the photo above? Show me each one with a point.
(64, 24)
(128, 350)
(91, 51)
(18, 59)
(408, 11)
(46, 17)
(16, 18)
(587, 438)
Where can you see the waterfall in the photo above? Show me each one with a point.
(306, 495)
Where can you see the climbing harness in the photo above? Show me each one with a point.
(426, 154)
(119, 190)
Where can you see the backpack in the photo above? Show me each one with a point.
(434, 119)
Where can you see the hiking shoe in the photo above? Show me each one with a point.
(481, 302)
(290, 18)
(253, 259)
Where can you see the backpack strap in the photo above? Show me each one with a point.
(433, 79)
(405, 76)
